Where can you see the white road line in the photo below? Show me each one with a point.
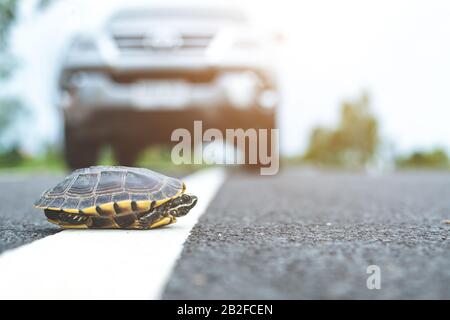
(104, 264)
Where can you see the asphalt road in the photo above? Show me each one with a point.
(301, 234)
(20, 222)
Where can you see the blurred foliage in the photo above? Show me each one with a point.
(11, 158)
(106, 157)
(43, 4)
(156, 158)
(434, 159)
(155, 155)
(159, 158)
(11, 108)
(352, 144)
(7, 65)
(15, 159)
(8, 13)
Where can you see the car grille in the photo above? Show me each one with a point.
(144, 43)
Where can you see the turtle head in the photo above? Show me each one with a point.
(181, 205)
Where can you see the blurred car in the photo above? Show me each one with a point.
(151, 70)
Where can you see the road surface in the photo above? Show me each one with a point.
(299, 235)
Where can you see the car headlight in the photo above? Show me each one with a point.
(268, 99)
(240, 88)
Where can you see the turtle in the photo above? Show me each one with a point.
(116, 197)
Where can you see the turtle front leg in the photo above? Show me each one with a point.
(156, 223)
(163, 222)
(155, 219)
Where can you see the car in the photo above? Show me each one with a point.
(150, 70)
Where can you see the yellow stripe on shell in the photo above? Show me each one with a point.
(143, 205)
(90, 210)
(71, 210)
(53, 208)
(160, 202)
(108, 209)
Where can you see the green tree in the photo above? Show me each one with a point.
(353, 143)
(11, 108)
(434, 159)
(8, 13)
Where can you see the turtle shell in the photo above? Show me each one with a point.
(110, 189)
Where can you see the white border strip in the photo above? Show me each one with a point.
(104, 264)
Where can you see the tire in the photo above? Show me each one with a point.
(126, 154)
(254, 168)
(80, 153)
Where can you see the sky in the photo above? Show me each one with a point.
(397, 51)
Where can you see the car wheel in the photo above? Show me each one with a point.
(126, 155)
(80, 153)
(256, 167)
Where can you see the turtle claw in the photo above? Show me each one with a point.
(162, 222)
(140, 225)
